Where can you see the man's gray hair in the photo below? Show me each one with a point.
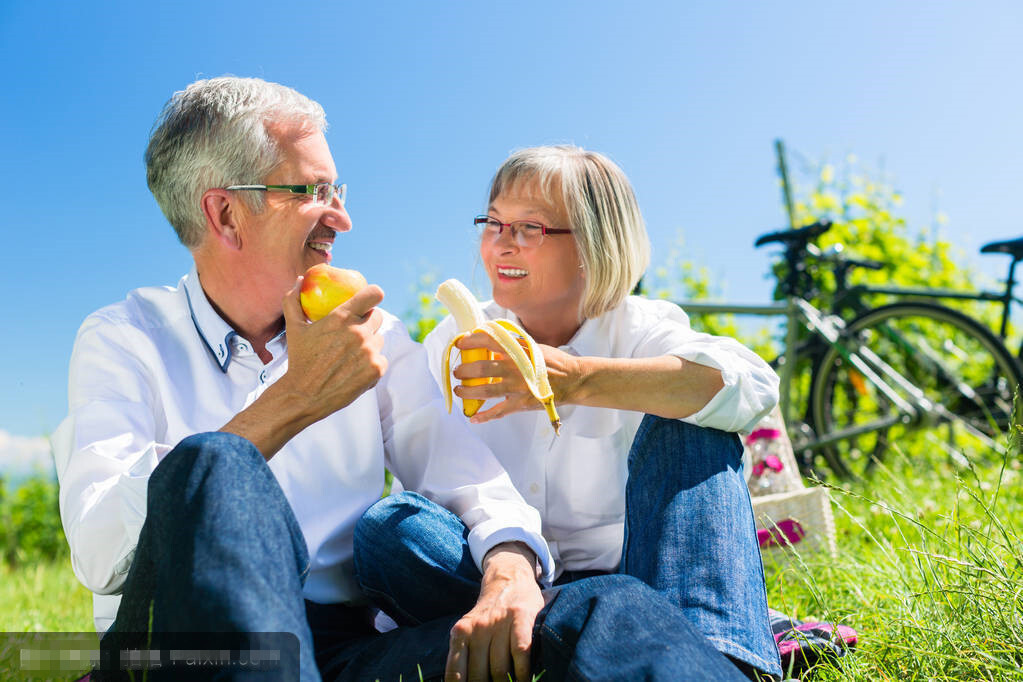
(213, 134)
(596, 198)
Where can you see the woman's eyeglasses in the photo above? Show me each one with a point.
(527, 233)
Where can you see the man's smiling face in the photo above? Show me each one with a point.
(293, 232)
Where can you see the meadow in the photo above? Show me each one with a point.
(929, 571)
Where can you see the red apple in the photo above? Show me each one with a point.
(325, 288)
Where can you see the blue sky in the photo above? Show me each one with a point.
(424, 101)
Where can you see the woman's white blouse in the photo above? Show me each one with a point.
(577, 479)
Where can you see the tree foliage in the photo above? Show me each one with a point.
(426, 311)
(865, 210)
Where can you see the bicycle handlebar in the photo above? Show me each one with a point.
(799, 282)
(795, 238)
(849, 263)
(834, 255)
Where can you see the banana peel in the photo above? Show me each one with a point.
(515, 343)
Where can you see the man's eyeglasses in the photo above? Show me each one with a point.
(322, 192)
(527, 233)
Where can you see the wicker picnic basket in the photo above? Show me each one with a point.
(791, 518)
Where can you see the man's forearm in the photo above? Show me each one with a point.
(272, 420)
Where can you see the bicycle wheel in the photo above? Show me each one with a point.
(929, 356)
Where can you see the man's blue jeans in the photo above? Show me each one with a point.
(221, 551)
(689, 535)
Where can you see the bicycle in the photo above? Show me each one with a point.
(911, 372)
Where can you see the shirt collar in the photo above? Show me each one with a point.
(214, 332)
(590, 340)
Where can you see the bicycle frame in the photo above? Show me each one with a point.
(1006, 299)
(873, 368)
(907, 402)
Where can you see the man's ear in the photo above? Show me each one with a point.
(222, 214)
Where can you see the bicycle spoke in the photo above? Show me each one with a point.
(873, 426)
(863, 358)
(955, 372)
(974, 431)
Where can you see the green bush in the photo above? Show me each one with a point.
(30, 527)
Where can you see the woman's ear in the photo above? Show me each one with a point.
(220, 209)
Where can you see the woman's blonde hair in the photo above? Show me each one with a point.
(592, 192)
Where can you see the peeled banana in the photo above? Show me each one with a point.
(514, 341)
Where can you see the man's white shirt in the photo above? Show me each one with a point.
(577, 479)
(162, 365)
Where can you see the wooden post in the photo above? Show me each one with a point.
(783, 171)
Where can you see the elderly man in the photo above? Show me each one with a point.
(220, 448)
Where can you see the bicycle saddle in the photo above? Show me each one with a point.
(800, 235)
(1013, 247)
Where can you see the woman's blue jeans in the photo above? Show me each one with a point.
(222, 552)
(689, 535)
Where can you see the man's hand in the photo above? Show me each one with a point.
(334, 360)
(493, 640)
(331, 362)
(564, 371)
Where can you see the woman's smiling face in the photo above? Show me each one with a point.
(540, 285)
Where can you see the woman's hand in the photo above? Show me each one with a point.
(667, 386)
(564, 371)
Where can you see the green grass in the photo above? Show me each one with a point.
(929, 571)
(43, 597)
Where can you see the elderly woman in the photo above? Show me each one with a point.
(644, 478)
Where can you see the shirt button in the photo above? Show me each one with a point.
(534, 488)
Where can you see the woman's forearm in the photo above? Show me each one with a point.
(666, 386)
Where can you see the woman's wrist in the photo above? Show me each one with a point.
(579, 375)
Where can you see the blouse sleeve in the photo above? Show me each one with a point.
(750, 385)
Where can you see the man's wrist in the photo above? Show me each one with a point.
(290, 404)
(272, 419)
(512, 550)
